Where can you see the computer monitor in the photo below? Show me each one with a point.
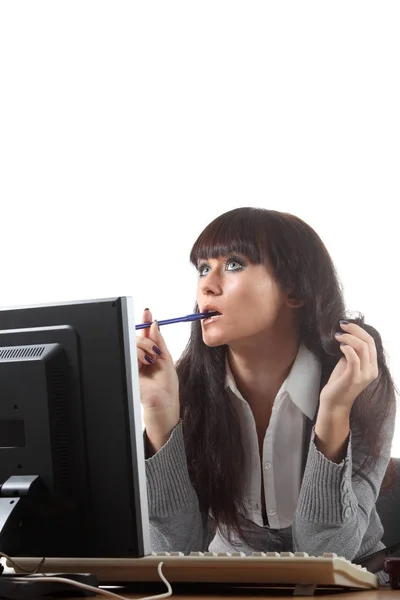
(72, 471)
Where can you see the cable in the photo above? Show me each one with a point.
(95, 589)
(15, 564)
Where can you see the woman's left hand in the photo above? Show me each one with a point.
(354, 372)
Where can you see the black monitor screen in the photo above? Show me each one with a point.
(72, 479)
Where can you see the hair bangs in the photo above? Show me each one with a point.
(239, 231)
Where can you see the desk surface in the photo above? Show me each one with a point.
(381, 594)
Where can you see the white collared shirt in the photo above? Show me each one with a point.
(282, 454)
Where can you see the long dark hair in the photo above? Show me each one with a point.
(302, 265)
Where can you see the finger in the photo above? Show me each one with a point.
(146, 318)
(361, 347)
(149, 346)
(158, 339)
(359, 332)
(352, 360)
(145, 359)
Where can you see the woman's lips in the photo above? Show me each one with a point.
(211, 319)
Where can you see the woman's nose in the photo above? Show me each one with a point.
(211, 283)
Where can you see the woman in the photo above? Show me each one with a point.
(273, 432)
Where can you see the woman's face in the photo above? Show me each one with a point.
(249, 299)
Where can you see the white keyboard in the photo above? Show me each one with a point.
(304, 573)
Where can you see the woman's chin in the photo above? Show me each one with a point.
(212, 341)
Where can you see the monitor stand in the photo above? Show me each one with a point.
(16, 493)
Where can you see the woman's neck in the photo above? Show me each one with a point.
(260, 367)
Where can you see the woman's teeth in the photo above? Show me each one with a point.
(209, 319)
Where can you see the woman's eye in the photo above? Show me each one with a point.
(233, 265)
(203, 270)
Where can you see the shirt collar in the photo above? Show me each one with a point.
(302, 384)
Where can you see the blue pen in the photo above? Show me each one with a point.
(193, 317)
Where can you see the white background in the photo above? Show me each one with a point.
(126, 127)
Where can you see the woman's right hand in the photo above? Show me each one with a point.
(159, 385)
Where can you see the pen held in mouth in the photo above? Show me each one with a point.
(186, 318)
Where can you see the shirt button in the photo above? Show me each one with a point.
(267, 466)
(271, 512)
(347, 512)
